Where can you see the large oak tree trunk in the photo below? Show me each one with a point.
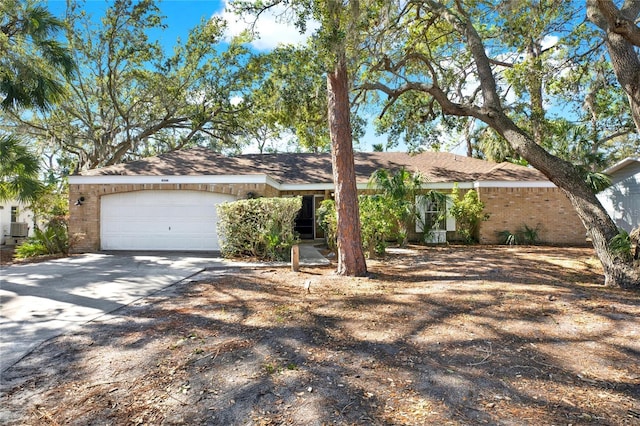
(626, 65)
(600, 227)
(623, 53)
(351, 259)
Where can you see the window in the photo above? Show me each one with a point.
(432, 214)
(14, 214)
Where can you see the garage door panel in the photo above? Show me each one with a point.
(193, 229)
(160, 220)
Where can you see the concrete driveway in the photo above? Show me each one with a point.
(42, 300)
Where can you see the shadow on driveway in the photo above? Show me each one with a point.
(43, 300)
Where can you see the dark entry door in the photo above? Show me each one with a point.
(304, 221)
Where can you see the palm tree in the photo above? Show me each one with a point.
(18, 171)
(30, 56)
(401, 188)
(30, 60)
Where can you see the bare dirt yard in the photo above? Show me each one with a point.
(436, 336)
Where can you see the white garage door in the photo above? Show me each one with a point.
(160, 220)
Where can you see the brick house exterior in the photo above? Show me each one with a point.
(513, 195)
(546, 208)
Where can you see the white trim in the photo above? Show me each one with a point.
(447, 185)
(429, 185)
(450, 221)
(266, 179)
(305, 186)
(621, 165)
(513, 184)
(181, 179)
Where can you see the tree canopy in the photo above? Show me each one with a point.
(130, 98)
(19, 169)
(33, 65)
(459, 59)
(31, 57)
(290, 100)
(528, 81)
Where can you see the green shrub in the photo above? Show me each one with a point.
(30, 248)
(468, 213)
(509, 238)
(530, 235)
(399, 190)
(327, 220)
(261, 227)
(524, 235)
(54, 239)
(378, 223)
(621, 244)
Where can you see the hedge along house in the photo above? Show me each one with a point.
(169, 202)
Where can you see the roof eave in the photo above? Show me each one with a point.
(621, 165)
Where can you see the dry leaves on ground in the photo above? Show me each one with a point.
(456, 335)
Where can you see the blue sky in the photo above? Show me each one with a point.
(182, 15)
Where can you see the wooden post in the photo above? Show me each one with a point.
(295, 258)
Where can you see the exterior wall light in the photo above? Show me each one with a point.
(79, 201)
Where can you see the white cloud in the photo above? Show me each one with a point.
(549, 41)
(272, 27)
(236, 100)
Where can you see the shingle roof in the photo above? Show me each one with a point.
(301, 168)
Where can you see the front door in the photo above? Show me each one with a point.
(318, 199)
(304, 222)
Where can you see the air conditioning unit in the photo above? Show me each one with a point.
(19, 229)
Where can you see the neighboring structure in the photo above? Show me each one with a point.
(622, 198)
(16, 222)
(168, 202)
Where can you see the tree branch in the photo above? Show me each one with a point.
(448, 106)
(620, 21)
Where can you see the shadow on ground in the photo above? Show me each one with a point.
(436, 336)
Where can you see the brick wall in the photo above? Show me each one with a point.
(84, 221)
(509, 209)
(548, 208)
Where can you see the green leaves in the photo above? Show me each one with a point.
(53, 239)
(132, 99)
(547, 68)
(261, 227)
(32, 61)
(397, 202)
(291, 98)
(621, 244)
(378, 221)
(468, 212)
(19, 170)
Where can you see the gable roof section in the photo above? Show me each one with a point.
(302, 168)
(622, 164)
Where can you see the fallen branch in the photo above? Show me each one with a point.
(484, 360)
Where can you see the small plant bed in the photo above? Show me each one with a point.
(444, 335)
(7, 257)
